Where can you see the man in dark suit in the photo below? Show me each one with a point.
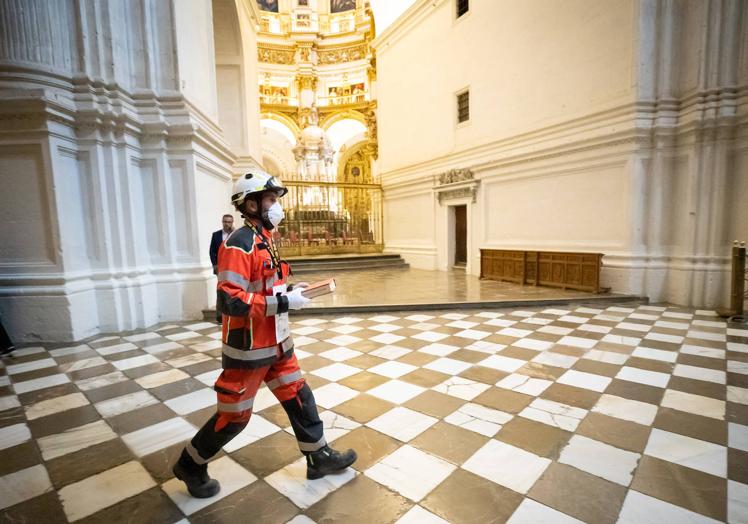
(218, 238)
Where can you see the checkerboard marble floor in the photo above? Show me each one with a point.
(622, 414)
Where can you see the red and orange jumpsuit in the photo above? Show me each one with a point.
(257, 346)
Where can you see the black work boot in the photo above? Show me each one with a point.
(326, 460)
(199, 483)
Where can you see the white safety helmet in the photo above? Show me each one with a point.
(255, 181)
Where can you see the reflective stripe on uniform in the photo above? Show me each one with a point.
(257, 353)
(271, 306)
(237, 407)
(312, 446)
(250, 354)
(283, 380)
(236, 278)
(192, 452)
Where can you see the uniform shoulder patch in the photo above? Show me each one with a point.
(243, 238)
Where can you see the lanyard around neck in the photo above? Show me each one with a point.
(271, 246)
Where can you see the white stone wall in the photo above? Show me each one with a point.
(114, 165)
(614, 127)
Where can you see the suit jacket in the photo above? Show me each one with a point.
(215, 243)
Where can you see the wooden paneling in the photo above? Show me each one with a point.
(543, 268)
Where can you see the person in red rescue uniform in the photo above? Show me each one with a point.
(254, 299)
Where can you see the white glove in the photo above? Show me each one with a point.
(296, 300)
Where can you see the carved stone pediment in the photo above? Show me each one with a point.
(455, 184)
(453, 176)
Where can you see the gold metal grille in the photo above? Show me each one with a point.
(331, 218)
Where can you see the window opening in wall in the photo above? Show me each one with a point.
(463, 107)
(462, 7)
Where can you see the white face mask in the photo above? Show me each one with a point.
(275, 214)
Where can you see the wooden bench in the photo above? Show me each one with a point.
(543, 268)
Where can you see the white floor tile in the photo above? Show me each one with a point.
(632, 326)
(506, 465)
(448, 366)
(655, 354)
(330, 395)
(25, 367)
(531, 512)
(734, 366)
(392, 369)
(115, 349)
(342, 340)
(55, 405)
(209, 378)
(663, 337)
(159, 436)
(689, 452)
(257, 429)
(230, 474)
(291, 481)
(142, 336)
(185, 335)
(346, 329)
(429, 336)
(23, 485)
(737, 435)
(419, 318)
(697, 373)
(75, 439)
(9, 401)
(696, 404)
(502, 363)
(554, 414)
(626, 409)
(118, 405)
(609, 357)
(707, 335)
(625, 341)
(340, 354)
(387, 338)
(600, 459)
(482, 346)
(514, 332)
(410, 472)
(93, 494)
(462, 324)
(500, 322)
(335, 372)
(73, 350)
(335, 425)
(737, 502)
(579, 342)
(184, 404)
(155, 349)
(524, 384)
(385, 328)
(390, 352)
(135, 362)
(461, 387)
(585, 380)
(40, 383)
(739, 348)
(531, 343)
(737, 394)
(558, 360)
(472, 334)
(102, 380)
(643, 376)
(85, 363)
(188, 360)
(396, 391)
(13, 435)
(555, 330)
(480, 419)
(161, 378)
(689, 349)
(402, 423)
(643, 509)
(440, 350)
(383, 318)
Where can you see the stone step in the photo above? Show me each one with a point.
(302, 265)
